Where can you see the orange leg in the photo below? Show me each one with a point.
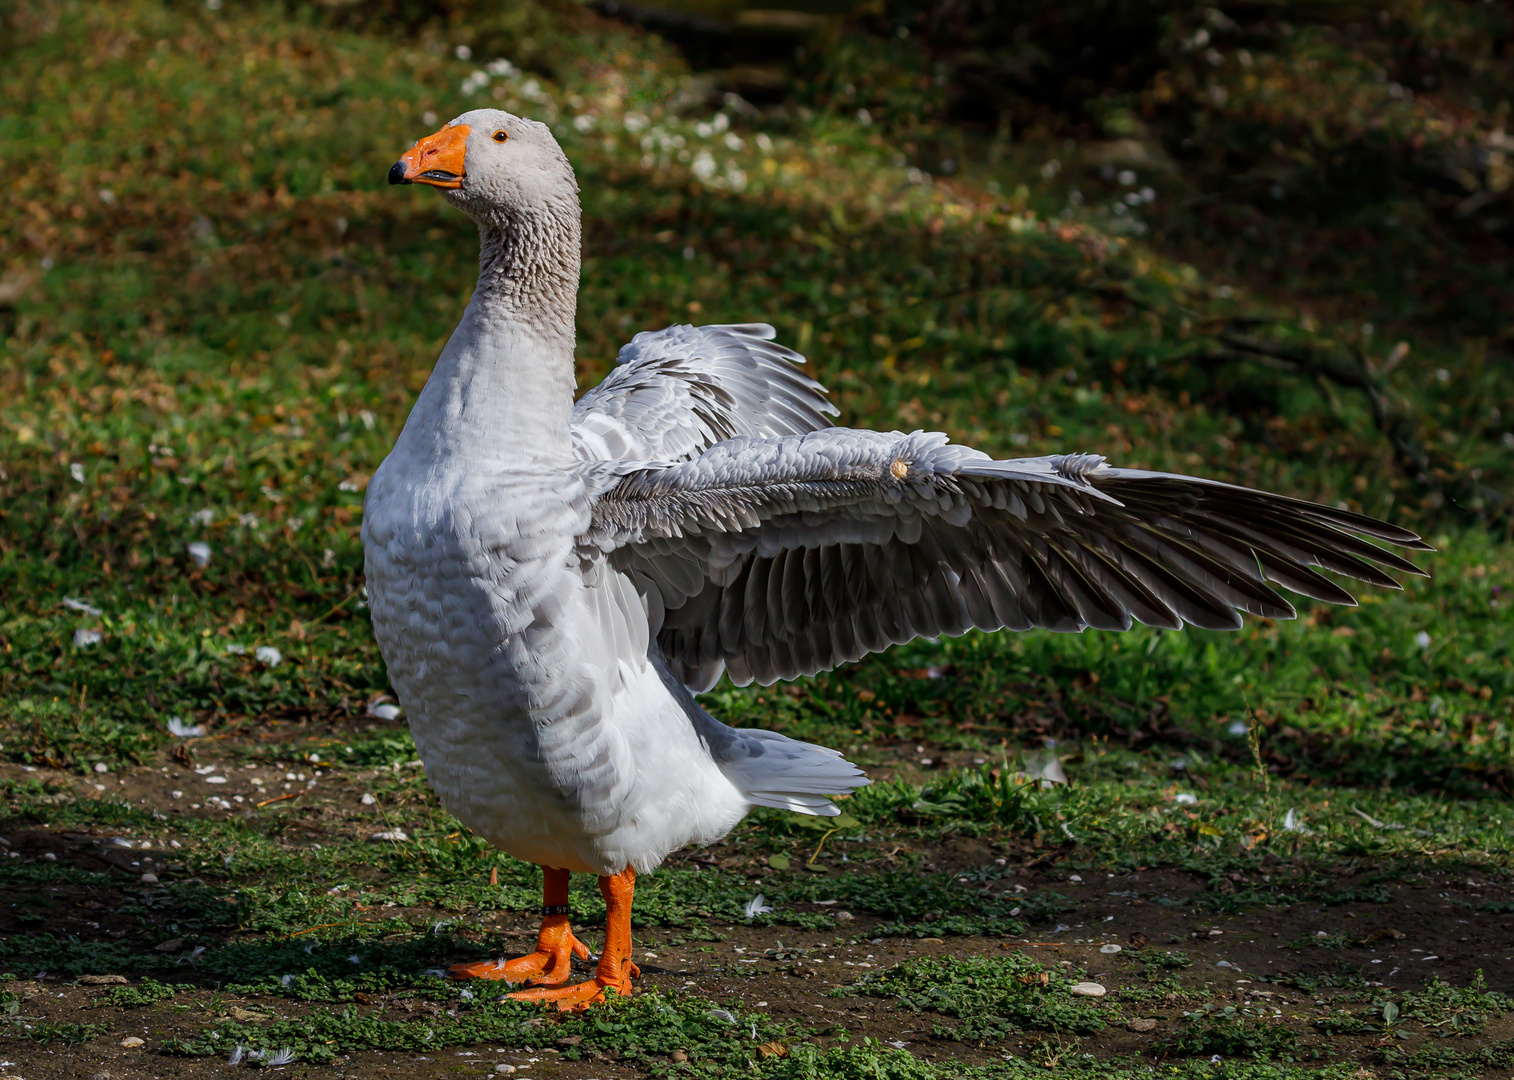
(552, 962)
(615, 968)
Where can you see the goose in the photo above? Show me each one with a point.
(553, 582)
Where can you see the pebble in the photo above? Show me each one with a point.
(131, 1042)
(1141, 1025)
(1111, 948)
(149, 879)
(1087, 989)
(504, 1069)
(102, 980)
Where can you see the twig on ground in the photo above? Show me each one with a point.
(280, 798)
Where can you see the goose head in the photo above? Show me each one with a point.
(492, 165)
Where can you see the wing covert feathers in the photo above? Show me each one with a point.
(778, 557)
(679, 391)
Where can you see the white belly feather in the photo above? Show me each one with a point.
(541, 722)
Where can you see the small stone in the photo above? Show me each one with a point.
(678, 1055)
(1142, 1025)
(504, 1069)
(1087, 989)
(101, 767)
(149, 879)
(171, 945)
(1110, 949)
(844, 916)
(102, 980)
(131, 1042)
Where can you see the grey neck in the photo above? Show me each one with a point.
(528, 266)
(503, 387)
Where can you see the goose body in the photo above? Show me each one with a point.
(551, 583)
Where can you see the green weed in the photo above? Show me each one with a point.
(1233, 1032)
(991, 997)
(1450, 1010)
(146, 992)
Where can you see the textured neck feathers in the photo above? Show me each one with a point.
(528, 264)
(503, 387)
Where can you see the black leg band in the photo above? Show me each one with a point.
(554, 909)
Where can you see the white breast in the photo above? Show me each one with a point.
(541, 724)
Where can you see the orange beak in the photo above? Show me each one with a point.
(436, 160)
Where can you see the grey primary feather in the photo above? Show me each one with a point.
(776, 557)
(677, 392)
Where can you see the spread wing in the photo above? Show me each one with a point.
(772, 558)
(679, 391)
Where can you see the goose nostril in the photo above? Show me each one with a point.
(397, 173)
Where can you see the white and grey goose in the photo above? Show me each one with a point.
(551, 582)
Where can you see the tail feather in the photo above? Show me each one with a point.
(768, 768)
(774, 770)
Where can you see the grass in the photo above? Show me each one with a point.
(992, 996)
(215, 316)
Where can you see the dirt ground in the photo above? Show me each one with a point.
(1428, 925)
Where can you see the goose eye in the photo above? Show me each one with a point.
(500, 136)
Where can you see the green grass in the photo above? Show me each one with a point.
(991, 996)
(222, 314)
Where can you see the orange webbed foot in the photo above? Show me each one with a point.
(615, 967)
(577, 997)
(556, 946)
(550, 965)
